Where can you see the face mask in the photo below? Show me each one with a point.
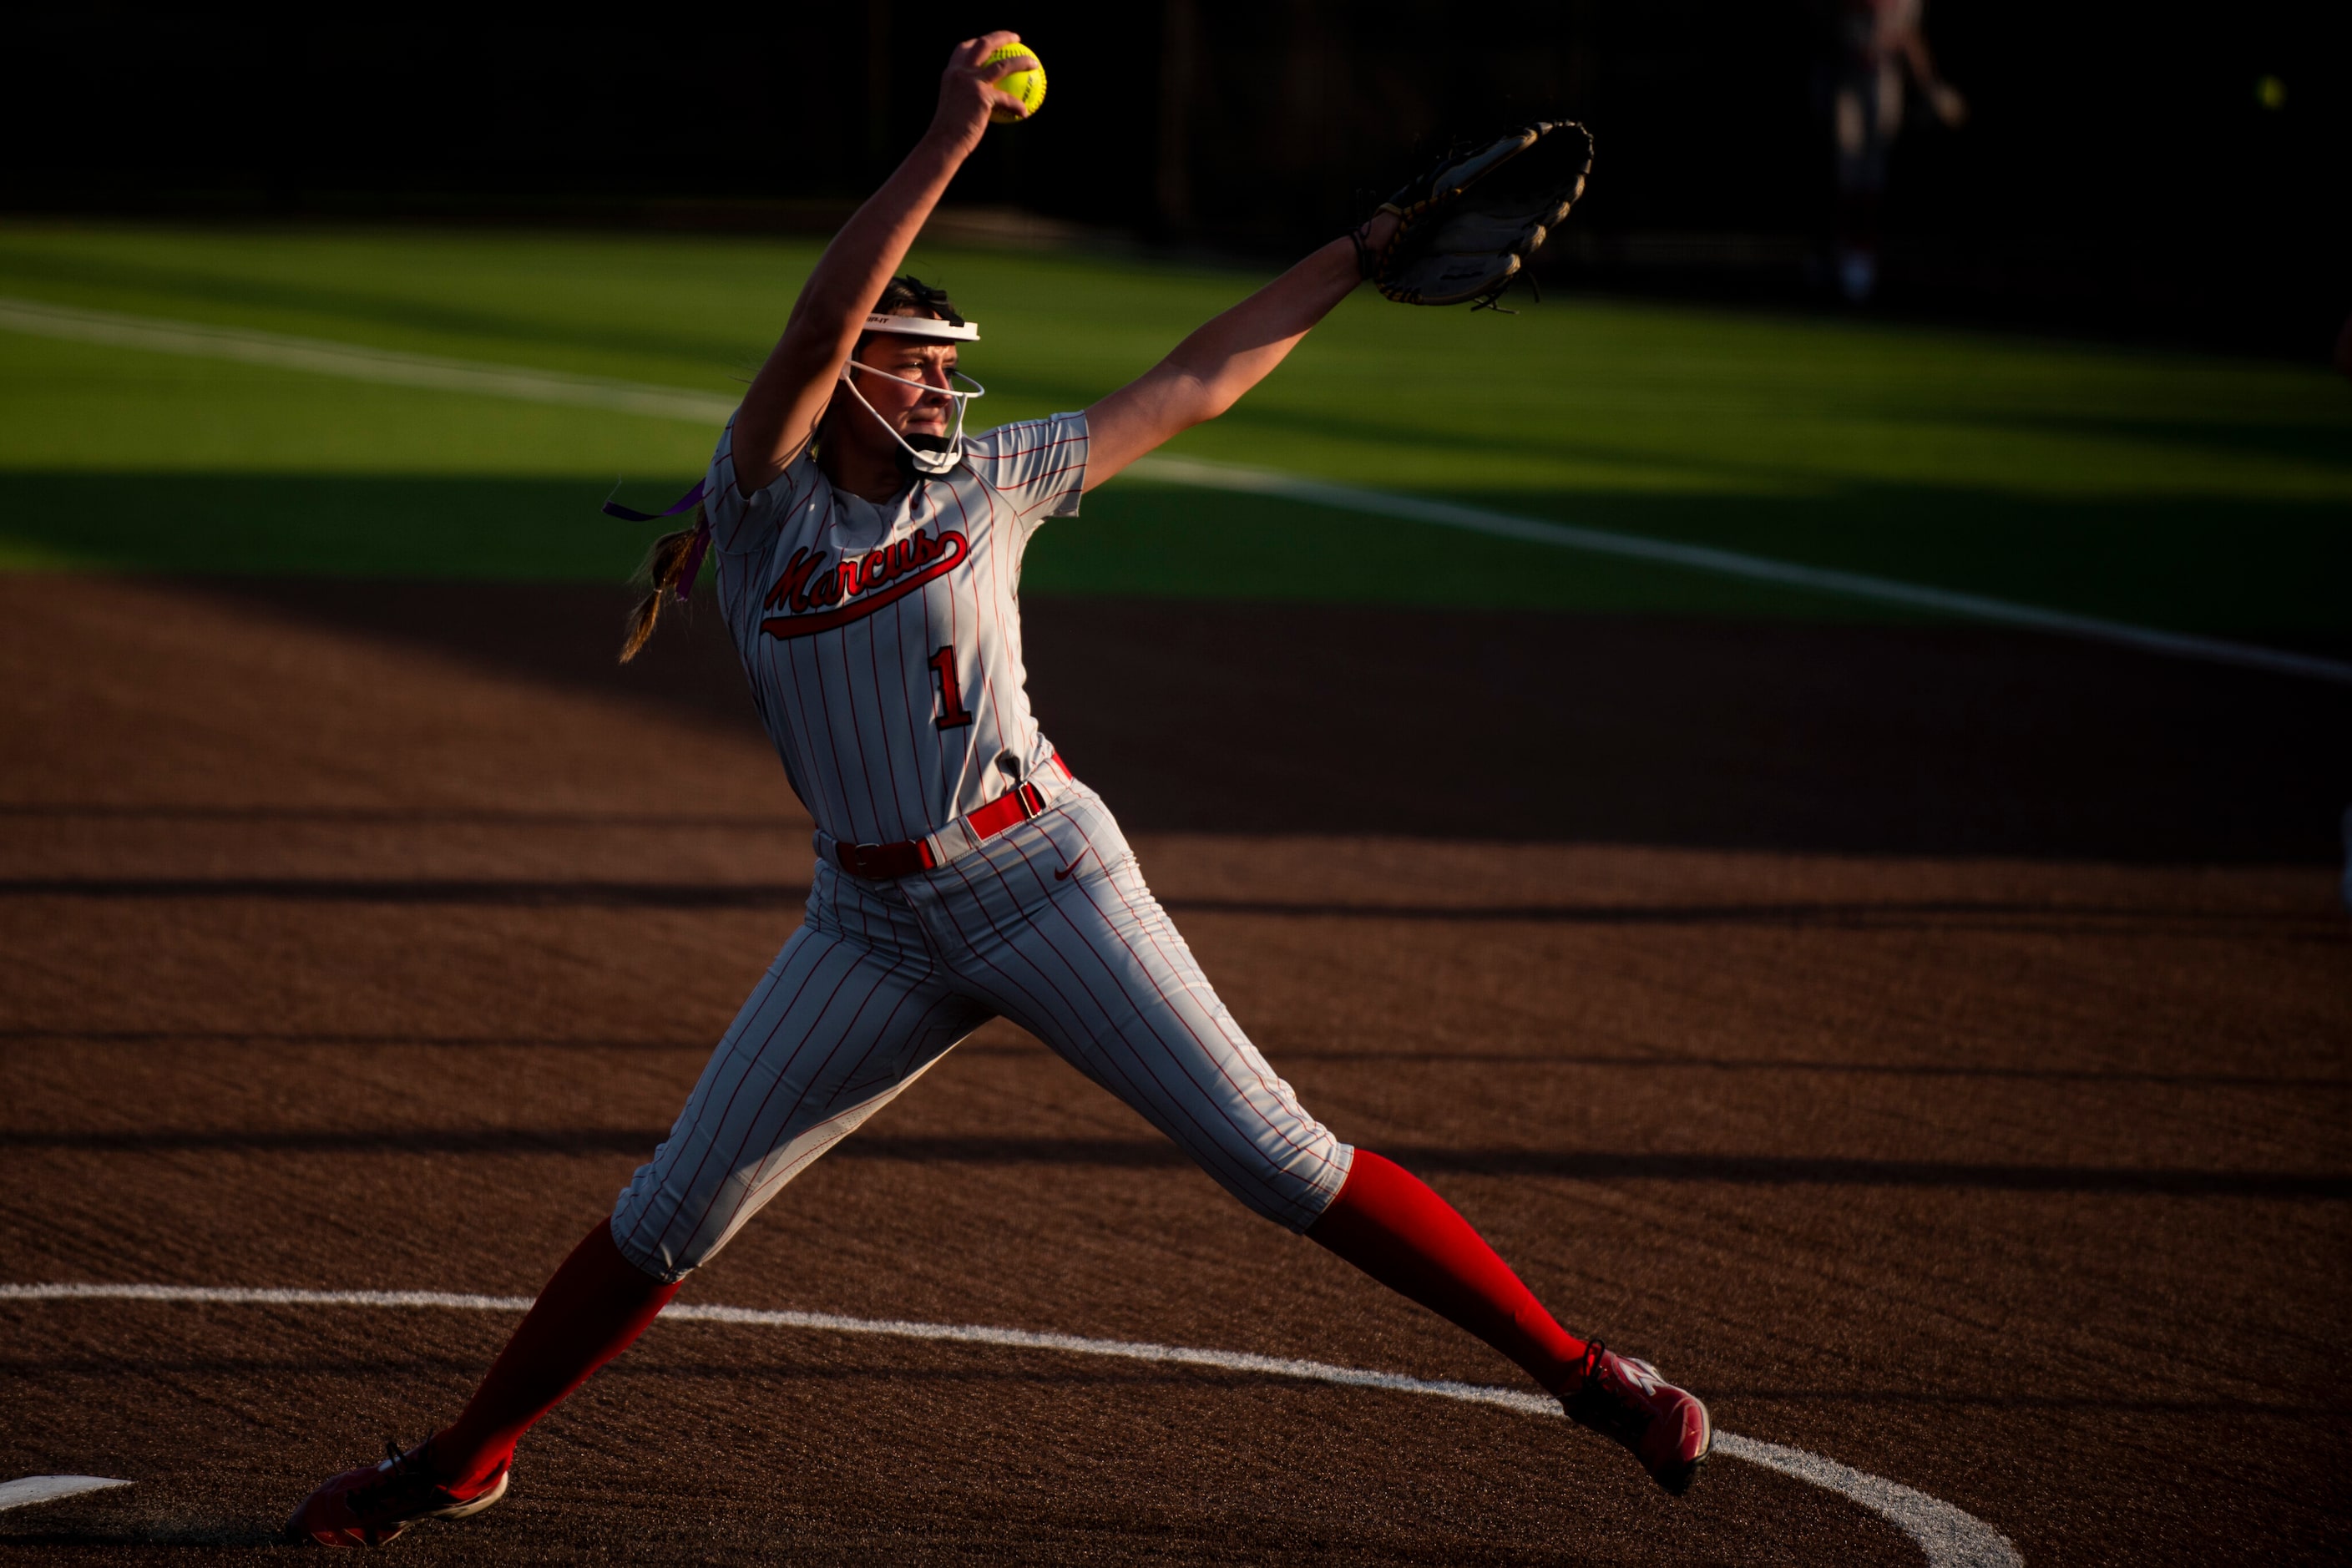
(925, 456)
(922, 456)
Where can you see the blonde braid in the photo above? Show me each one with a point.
(664, 568)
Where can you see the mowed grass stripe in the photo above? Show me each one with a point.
(1731, 564)
(2193, 493)
(396, 368)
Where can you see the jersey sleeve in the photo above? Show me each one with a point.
(741, 524)
(1039, 465)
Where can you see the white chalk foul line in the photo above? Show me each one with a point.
(325, 357)
(1947, 1536)
(1732, 563)
(26, 1491)
(353, 363)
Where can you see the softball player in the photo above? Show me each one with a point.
(868, 554)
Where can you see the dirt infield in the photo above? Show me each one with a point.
(1931, 1047)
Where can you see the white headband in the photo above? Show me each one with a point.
(923, 327)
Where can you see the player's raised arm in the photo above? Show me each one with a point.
(780, 411)
(1459, 233)
(1208, 372)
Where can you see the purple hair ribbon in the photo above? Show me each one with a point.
(694, 551)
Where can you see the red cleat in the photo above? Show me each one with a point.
(372, 1504)
(1667, 1428)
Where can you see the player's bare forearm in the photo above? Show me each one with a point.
(1942, 97)
(1208, 372)
(1912, 44)
(787, 398)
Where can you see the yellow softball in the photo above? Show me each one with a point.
(1028, 86)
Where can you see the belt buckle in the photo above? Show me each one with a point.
(862, 858)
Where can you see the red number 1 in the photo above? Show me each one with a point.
(951, 708)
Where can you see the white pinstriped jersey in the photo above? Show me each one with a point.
(884, 647)
(883, 642)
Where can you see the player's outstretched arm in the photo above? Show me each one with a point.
(1942, 96)
(780, 411)
(1209, 371)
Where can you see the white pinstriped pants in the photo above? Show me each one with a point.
(885, 977)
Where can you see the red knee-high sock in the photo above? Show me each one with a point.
(1388, 1224)
(595, 1306)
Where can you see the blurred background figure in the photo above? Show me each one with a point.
(1879, 43)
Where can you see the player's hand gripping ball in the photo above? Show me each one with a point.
(1028, 86)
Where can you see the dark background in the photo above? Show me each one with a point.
(2119, 175)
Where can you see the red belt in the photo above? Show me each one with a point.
(884, 862)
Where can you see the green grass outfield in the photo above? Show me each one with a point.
(2187, 492)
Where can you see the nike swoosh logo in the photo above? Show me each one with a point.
(1063, 874)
